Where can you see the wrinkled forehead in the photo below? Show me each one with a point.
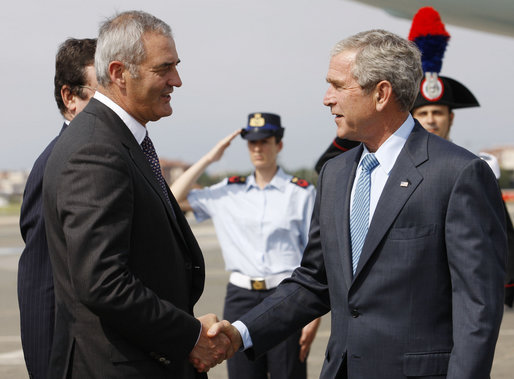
(341, 67)
(159, 49)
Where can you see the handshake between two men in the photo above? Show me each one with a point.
(219, 340)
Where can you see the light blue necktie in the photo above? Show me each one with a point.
(359, 217)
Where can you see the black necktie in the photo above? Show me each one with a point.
(153, 159)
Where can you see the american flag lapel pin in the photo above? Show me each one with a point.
(404, 184)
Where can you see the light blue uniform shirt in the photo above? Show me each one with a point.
(262, 232)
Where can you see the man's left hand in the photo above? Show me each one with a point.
(308, 334)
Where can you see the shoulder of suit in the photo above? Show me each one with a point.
(300, 182)
(236, 180)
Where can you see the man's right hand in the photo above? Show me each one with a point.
(210, 350)
(184, 183)
(217, 151)
(226, 328)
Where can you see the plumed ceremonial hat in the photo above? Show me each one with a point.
(431, 37)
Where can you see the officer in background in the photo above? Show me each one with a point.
(262, 223)
(438, 95)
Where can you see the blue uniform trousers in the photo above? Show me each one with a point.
(281, 362)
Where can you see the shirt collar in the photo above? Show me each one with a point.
(136, 128)
(390, 149)
(278, 181)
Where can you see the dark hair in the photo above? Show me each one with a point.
(72, 58)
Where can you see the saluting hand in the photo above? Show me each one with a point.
(217, 151)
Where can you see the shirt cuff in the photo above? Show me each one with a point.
(245, 335)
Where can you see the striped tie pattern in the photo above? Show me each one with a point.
(359, 216)
(153, 159)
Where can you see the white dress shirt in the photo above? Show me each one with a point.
(135, 127)
(386, 156)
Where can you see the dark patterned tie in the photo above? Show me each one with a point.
(153, 159)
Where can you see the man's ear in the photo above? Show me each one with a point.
(383, 94)
(117, 73)
(69, 99)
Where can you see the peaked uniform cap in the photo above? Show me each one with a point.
(262, 125)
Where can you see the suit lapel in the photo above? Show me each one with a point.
(344, 182)
(141, 162)
(139, 159)
(178, 222)
(402, 182)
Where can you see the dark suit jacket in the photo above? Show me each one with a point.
(35, 284)
(427, 296)
(126, 272)
(509, 280)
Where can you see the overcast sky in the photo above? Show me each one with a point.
(238, 57)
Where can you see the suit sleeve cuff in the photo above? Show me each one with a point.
(199, 334)
(245, 335)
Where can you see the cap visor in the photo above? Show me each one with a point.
(255, 136)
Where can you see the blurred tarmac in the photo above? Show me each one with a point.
(12, 365)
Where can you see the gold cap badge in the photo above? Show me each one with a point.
(257, 121)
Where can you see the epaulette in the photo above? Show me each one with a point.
(237, 180)
(300, 182)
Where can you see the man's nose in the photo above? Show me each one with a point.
(257, 146)
(174, 79)
(328, 99)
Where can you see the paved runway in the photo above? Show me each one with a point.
(11, 356)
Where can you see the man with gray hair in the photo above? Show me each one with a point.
(127, 268)
(407, 242)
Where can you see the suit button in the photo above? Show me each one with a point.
(355, 313)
